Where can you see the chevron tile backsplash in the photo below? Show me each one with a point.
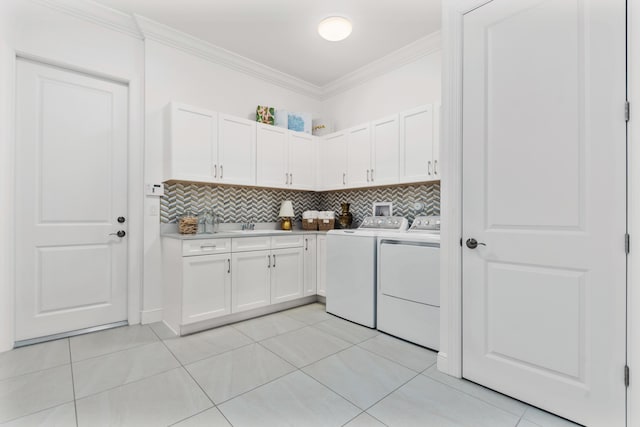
(243, 204)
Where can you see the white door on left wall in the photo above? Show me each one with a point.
(71, 188)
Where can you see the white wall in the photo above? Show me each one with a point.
(30, 29)
(409, 86)
(175, 75)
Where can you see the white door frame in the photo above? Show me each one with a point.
(450, 355)
(135, 200)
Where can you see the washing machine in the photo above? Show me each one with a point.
(352, 270)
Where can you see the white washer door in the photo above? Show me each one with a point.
(410, 271)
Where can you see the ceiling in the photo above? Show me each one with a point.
(282, 34)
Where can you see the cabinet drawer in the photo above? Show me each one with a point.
(205, 247)
(281, 242)
(244, 244)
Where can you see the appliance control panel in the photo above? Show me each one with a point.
(397, 223)
(427, 223)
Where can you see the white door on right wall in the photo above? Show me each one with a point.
(544, 189)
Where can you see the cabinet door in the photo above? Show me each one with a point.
(206, 287)
(302, 161)
(359, 156)
(385, 146)
(310, 262)
(333, 161)
(272, 156)
(191, 149)
(287, 278)
(416, 145)
(436, 140)
(322, 265)
(250, 286)
(237, 150)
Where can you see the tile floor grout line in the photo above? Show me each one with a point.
(73, 382)
(33, 372)
(2, 423)
(394, 361)
(390, 393)
(116, 351)
(479, 398)
(351, 419)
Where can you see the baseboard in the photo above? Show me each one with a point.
(443, 362)
(151, 316)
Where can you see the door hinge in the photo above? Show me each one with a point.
(627, 112)
(626, 375)
(627, 243)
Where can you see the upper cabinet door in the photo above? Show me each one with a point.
(359, 156)
(385, 146)
(302, 161)
(416, 145)
(333, 161)
(436, 140)
(191, 150)
(272, 158)
(236, 150)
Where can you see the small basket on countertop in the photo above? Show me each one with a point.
(188, 223)
(326, 220)
(310, 220)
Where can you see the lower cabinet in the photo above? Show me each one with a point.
(310, 265)
(250, 280)
(322, 266)
(287, 277)
(206, 291)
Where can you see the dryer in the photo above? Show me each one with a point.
(408, 283)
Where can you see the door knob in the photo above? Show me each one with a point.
(473, 243)
(121, 219)
(119, 233)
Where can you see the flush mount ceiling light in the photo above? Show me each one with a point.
(334, 28)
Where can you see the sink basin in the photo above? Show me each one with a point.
(258, 231)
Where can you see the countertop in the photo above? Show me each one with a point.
(232, 234)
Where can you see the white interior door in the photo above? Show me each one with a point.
(544, 188)
(71, 186)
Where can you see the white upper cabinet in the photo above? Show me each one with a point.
(273, 156)
(333, 161)
(416, 145)
(191, 151)
(302, 161)
(359, 156)
(286, 159)
(236, 150)
(385, 151)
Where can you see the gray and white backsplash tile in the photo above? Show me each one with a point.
(248, 204)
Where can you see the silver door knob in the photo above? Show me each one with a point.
(473, 243)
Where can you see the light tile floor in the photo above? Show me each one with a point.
(301, 367)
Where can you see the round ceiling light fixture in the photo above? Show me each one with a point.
(335, 28)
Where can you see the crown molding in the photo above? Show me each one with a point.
(146, 29)
(96, 13)
(169, 36)
(412, 52)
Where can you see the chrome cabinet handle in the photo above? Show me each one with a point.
(429, 167)
(306, 244)
(368, 179)
(435, 167)
(290, 179)
(344, 177)
(215, 171)
(286, 179)
(268, 261)
(372, 175)
(229, 265)
(207, 246)
(221, 171)
(274, 261)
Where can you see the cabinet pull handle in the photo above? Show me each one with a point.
(306, 244)
(344, 177)
(368, 175)
(371, 175)
(429, 167)
(291, 179)
(286, 179)
(215, 171)
(229, 265)
(268, 261)
(207, 246)
(221, 171)
(435, 167)
(274, 261)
